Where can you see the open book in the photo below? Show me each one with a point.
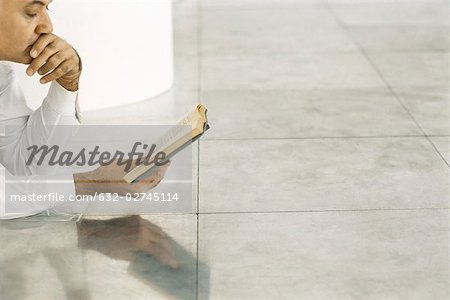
(174, 141)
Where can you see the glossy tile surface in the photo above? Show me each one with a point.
(401, 38)
(413, 69)
(280, 30)
(392, 13)
(281, 72)
(106, 258)
(309, 113)
(344, 255)
(321, 174)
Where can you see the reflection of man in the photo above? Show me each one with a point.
(58, 254)
(26, 37)
(121, 238)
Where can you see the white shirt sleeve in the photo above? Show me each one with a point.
(20, 127)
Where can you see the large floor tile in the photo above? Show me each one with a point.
(346, 255)
(443, 145)
(281, 72)
(414, 69)
(415, 13)
(306, 113)
(272, 31)
(321, 174)
(430, 107)
(402, 38)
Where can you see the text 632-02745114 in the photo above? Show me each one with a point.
(152, 197)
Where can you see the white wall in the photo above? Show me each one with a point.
(126, 47)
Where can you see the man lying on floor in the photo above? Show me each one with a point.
(26, 37)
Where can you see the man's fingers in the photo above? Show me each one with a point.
(52, 45)
(163, 169)
(62, 69)
(152, 235)
(161, 255)
(159, 173)
(155, 179)
(156, 234)
(40, 60)
(157, 176)
(54, 61)
(37, 63)
(41, 44)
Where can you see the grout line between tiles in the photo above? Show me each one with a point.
(439, 152)
(196, 256)
(199, 88)
(198, 220)
(375, 26)
(198, 178)
(313, 138)
(374, 88)
(297, 54)
(324, 211)
(380, 74)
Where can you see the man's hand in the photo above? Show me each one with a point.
(122, 238)
(57, 60)
(109, 179)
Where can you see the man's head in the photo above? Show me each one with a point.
(21, 24)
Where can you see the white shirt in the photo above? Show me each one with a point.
(31, 128)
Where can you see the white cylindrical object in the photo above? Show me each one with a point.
(126, 49)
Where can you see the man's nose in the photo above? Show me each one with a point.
(45, 25)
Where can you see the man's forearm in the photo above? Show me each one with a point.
(83, 184)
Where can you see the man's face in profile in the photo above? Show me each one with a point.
(21, 24)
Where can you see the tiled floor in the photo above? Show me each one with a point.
(326, 174)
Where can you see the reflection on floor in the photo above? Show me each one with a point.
(46, 257)
(324, 176)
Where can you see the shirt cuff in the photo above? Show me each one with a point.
(61, 100)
